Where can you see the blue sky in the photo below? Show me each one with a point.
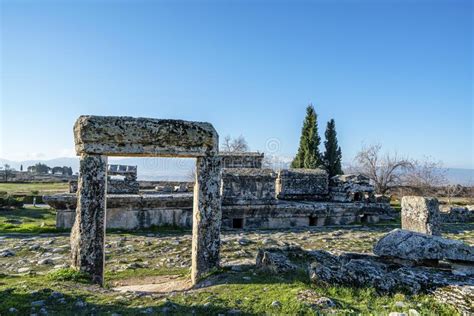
(394, 72)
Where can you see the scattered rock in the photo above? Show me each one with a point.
(413, 312)
(34, 247)
(243, 241)
(460, 297)
(45, 261)
(234, 312)
(80, 303)
(38, 303)
(399, 304)
(7, 253)
(56, 295)
(325, 302)
(315, 301)
(276, 304)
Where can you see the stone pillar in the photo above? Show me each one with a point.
(421, 214)
(88, 232)
(207, 216)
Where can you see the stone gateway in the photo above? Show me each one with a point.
(97, 137)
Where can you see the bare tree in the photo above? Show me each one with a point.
(191, 175)
(453, 190)
(384, 170)
(426, 175)
(238, 144)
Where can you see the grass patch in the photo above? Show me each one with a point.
(145, 272)
(68, 274)
(34, 188)
(28, 220)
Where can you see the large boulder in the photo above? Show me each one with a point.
(385, 276)
(415, 246)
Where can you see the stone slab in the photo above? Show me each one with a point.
(421, 214)
(129, 136)
(301, 184)
(253, 186)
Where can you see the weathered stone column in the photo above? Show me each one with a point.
(88, 232)
(206, 216)
(421, 214)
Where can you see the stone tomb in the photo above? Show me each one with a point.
(97, 137)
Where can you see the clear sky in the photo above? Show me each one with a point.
(394, 72)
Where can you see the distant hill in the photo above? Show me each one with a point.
(179, 169)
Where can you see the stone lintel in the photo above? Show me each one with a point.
(144, 137)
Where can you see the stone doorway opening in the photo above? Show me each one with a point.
(237, 223)
(358, 196)
(98, 137)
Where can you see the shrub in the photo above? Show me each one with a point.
(10, 202)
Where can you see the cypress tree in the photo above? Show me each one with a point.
(332, 155)
(308, 155)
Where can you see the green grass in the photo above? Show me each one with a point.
(67, 274)
(28, 220)
(39, 188)
(250, 297)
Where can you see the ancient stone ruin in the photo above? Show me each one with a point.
(97, 137)
(252, 198)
